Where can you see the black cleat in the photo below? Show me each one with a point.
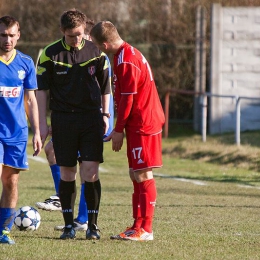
(69, 233)
(93, 232)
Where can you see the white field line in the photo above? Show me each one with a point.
(248, 186)
(43, 160)
(37, 159)
(195, 182)
(201, 183)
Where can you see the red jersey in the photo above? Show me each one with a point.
(138, 105)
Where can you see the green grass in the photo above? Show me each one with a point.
(208, 205)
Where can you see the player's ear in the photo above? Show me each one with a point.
(105, 45)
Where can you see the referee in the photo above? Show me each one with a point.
(76, 74)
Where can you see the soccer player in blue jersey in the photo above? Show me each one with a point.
(17, 99)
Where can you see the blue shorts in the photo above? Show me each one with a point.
(14, 155)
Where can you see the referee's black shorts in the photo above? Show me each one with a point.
(77, 132)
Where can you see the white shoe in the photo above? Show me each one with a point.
(50, 204)
(78, 226)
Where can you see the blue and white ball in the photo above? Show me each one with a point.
(27, 219)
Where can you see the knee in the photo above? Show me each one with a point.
(50, 155)
(10, 180)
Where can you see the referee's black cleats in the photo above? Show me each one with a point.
(69, 233)
(93, 232)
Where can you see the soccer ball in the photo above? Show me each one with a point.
(27, 219)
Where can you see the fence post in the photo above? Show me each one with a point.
(166, 112)
(203, 101)
(238, 121)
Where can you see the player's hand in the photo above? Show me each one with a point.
(106, 124)
(37, 144)
(117, 140)
(44, 132)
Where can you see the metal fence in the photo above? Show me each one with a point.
(204, 107)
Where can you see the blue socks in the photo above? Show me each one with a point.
(55, 170)
(6, 218)
(83, 211)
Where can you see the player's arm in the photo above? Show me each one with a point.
(123, 111)
(103, 75)
(105, 110)
(31, 109)
(41, 96)
(44, 69)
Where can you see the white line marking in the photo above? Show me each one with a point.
(201, 183)
(43, 160)
(37, 159)
(248, 186)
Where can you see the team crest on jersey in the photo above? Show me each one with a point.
(21, 74)
(91, 70)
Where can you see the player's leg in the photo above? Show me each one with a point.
(146, 152)
(147, 200)
(8, 202)
(55, 169)
(136, 213)
(65, 143)
(91, 151)
(92, 191)
(53, 202)
(15, 157)
(81, 221)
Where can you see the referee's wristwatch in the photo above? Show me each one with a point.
(106, 114)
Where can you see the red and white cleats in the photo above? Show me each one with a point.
(139, 235)
(124, 234)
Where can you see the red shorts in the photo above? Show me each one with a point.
(144, 151)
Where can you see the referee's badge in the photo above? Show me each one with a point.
(91, 70)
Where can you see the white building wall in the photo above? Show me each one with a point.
(235, 67)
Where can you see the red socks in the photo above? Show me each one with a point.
(136, 206)
(143, 202)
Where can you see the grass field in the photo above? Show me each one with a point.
(208, 205)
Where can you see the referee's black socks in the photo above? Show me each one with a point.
(92, 197)
(66, 189)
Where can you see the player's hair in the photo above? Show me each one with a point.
(89, 24)
(9, 21)
(72, 19)
(104, 31)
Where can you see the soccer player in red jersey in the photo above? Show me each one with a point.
(140, 114)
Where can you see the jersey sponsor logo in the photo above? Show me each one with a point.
(12, 92)
(91, 70)
(21, 74)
